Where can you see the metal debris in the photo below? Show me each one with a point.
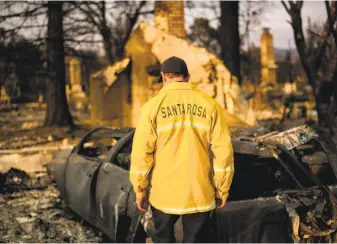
(311, 215)
(290, 138)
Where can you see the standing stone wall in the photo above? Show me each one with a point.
(75, 95)
(268, 66)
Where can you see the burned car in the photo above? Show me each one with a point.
(283, 188)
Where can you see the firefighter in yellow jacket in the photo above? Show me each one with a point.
(182, 156)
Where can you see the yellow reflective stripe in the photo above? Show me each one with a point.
(139, 172)
(226, 169)
(187, 210)
(179, 124)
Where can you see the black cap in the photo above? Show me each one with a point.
(173, 65)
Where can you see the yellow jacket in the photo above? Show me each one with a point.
(182, 152)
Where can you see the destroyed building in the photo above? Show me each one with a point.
(118, 91)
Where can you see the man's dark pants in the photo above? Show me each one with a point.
(196, 226)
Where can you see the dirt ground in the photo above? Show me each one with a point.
(22, 127)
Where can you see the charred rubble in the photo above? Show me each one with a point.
(284, 186)
(31, 210)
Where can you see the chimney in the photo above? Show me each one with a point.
(268, 66)
(169, 17)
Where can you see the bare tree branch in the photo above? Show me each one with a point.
(147, 12)
(24, 13)
(294, 11)
(88, 13)
(285, 7)
(331, 13)
(133, 20)
(299, 4)
(82, 41)
(326, 32)
(321, 37)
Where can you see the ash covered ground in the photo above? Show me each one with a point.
(31, 209)
(39, 216)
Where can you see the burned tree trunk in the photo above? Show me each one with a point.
(106, 33)
(229, 37)
(300, 42)
(57, 107)
(114, 33)
(312, 61)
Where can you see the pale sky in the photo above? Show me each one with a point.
(276, 19)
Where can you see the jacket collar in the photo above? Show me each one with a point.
(178, 86)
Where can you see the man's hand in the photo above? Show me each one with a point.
(221, 203)
(142, 204)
